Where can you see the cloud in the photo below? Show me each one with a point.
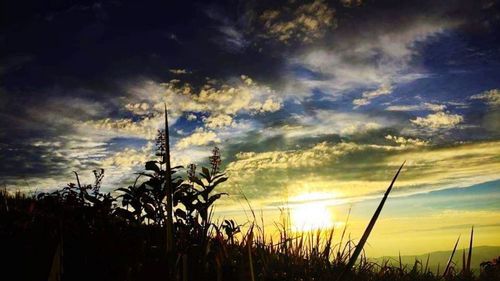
(407, 141)
(417, 107)
(52, 143)
(214, 97)
(140, 108)
(367, 96)
(364, 58)
(218, 121)
(328, 122)
(179, 71)
(458, 165)
(319, 155)
(233, 39)
(491, 97)
(198, 138)
(305, 23)
(220, 101)
(128, 158)
(231, 34)
(312, 157)
(438, 120)
(146, 127)
(270, 105)
(191, 117)
(351, 171)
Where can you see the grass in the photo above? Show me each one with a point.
(161, 228)
(85, 242)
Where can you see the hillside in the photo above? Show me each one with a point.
(479, 254)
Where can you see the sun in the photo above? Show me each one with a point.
(311, 216)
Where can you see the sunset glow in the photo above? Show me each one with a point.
(312, 105)
(311, 216)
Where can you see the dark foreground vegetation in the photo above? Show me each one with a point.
(161, 228)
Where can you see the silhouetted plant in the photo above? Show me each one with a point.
(231, 229)
(490, 270)
(201, 198)
(131, 197)
(191, 198)
(78, 195)
(148, 200)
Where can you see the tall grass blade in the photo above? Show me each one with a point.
(463, 261)
(250, 259)
(168, 180)
(370, 226)
(339, 254)
(469, 256)
(400, 263)
(427, 263)
(450, 260)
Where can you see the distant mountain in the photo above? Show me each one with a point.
(479, 255)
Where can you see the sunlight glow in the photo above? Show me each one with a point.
(311, 215)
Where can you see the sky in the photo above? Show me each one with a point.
(314, 105)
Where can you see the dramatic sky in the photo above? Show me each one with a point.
(313, 103)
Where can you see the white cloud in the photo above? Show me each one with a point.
(326, 122)
(491, 97)
(179, 71)
(191, 117)
(198, 138)
(312, 157)
(145, 128)
(218, 121)
(367, 96)
(460, 165)
(364, 59)
(140, 108)
(438, 120)
(402, 141)
(269, 105)
(222, 101)
(214, 97)
(417, 107)
(128, 158)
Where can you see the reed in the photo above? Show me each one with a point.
(370, 226)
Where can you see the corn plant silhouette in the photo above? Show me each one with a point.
(168, 184)
(165, 196)
(197, 197)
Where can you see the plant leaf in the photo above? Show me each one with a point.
(151, 166)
